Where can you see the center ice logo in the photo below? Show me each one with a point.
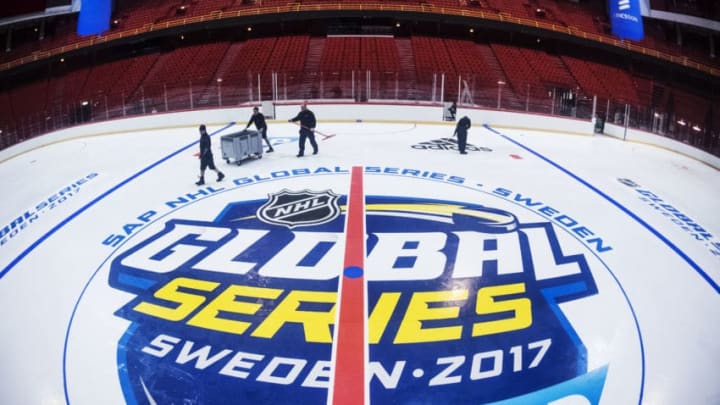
(299, 208)
(463, 308)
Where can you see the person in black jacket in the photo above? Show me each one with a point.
(258, 119)
(206, 157)
(461, 130)
(307, 129)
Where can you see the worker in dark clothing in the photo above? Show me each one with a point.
(461, 130)
(307, 129)
(452, 110)
(258, 119)
(206, 157)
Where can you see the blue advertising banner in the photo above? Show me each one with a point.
(626, 19)
(94, 17)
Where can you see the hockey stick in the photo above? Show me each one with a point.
(322, 135)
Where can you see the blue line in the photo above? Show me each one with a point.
(102, 196)
(647, 226)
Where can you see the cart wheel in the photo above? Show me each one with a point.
(238, 162)
(227, 161)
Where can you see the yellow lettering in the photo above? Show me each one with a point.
(411, 328)
(209, 318)
(380, 316)
(187, 302)
(316, 325)
(486, 304)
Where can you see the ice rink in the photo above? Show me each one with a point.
(540, 268)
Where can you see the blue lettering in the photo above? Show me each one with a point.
(146, 216)
(599, 245)
(456, 179)
(502, 192)
(242, 180)
(566, 221)
(280, 174)
(129, 228)
(582, 232)
(528, 201)
(179, 201)
(549, 211)
(113, 240)
(194, 196)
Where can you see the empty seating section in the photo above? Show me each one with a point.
(588, 16)
(388, 56)
(516, 8)
(431, 56)
(136, 13)
(254, 57)
(689, 107)
(644, 88)
(66, 88)
(550, 69)
(28, 100)
(196, 63)
(369, 59)
(617, 81)
(204, 7)
(468, 61)
(585, 77)
(118, 78)
(7, 117)
(293, 59)
(341, 54)
(521, 75)
(144, 82)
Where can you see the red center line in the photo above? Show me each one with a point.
(348, 384)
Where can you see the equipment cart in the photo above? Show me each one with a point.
(241, 145)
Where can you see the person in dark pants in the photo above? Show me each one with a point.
(461, 130)
(452, 110)
(258, 119)
(307, 129)
(206, 157)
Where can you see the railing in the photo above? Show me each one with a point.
(356, 86)
(415, 8)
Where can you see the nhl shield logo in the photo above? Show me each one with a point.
(299, 208)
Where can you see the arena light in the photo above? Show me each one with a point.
(682, 122)
(84, 103)
(696, 128)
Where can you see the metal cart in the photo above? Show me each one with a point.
(241, 145)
